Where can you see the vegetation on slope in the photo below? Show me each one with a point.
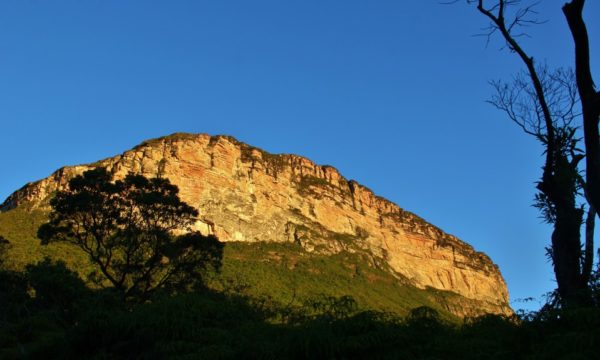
(282, 272)
(271, 300)
(286, 274)
(50, 313)
(19, 226)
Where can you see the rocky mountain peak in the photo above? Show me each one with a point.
(246, 194)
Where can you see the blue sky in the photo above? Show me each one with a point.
(392, 93)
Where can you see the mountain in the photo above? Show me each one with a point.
(247, 196)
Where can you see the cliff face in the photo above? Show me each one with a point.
(246, 194)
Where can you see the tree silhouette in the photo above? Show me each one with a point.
(128, 228)
(590, 98)
(544, 104)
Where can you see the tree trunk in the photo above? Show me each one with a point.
(590, 99)
(561, 189)
(566, 250)
(588, 255)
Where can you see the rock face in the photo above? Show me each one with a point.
(245, 194)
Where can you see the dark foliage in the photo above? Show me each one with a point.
(128, 228)
(57, 290)
(4, 244)
(49, 314)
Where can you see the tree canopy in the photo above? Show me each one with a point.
(129, 229)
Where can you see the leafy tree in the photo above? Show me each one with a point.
(128, 229)
(57, 288)
(13, 290)
(545, 104)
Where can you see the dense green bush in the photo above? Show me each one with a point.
(289, 305)
(54, 316)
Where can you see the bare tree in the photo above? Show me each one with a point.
(545, 104)
(590, 98)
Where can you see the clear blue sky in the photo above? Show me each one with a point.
(392, 93)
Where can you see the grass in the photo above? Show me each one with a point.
(282, 272)
(287, 274)
(19, 226)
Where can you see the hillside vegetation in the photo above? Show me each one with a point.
(284, 273)
(270, 301)
(50, 314)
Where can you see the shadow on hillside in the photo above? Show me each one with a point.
(48, 312)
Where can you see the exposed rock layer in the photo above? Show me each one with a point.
(246, 194)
